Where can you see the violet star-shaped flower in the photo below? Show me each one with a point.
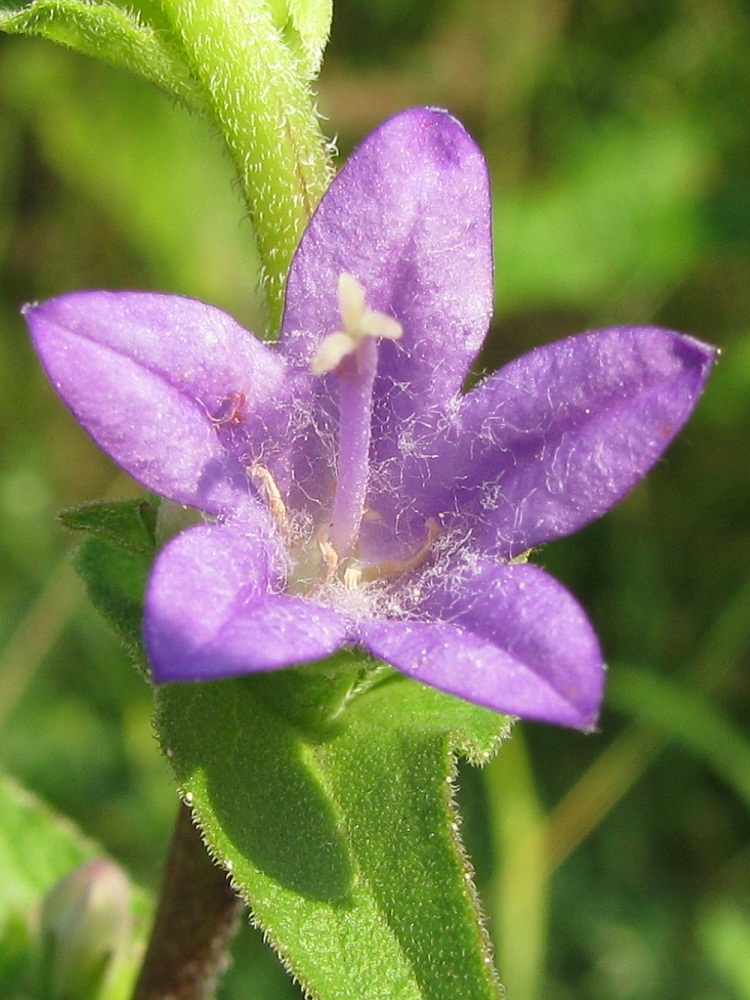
(353, 494)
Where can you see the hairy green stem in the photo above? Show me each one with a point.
(197, 917)
(263, 107)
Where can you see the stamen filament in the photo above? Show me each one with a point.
(397, 567)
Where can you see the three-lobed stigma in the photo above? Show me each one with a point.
(358, 321)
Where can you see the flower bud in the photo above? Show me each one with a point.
(85, 926)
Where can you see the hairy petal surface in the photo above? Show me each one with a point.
(409, 217)
(214, 607)
(152, 378)
(557, 437)
(505, 636)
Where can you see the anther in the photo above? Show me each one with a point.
(329, 555)
(273, 498)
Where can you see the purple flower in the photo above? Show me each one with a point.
(353, 494)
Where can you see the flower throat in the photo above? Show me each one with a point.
(352, 353)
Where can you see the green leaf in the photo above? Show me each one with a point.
(115, 580)
(724, 932)
(622, 214)
(687, 716)
(37, 848)
(128, 524)
(117, 34)
(327, 792)
(341, 833)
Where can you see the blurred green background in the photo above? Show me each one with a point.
(614, 866)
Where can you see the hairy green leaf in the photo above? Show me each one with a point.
(341, 832)
(128, 524)
(114, 562)
(327, 792)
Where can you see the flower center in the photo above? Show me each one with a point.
(327, 564)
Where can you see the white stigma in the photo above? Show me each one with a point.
(358, 322)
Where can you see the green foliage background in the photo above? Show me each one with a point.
(612, 866)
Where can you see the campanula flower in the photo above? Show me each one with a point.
(352, 493)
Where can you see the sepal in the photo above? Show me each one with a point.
(126, 524)
(114, 563)
(115, 582)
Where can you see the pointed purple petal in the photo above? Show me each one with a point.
(213, 607)
(409, 217)
(556, 438)
(159, 381)
(508, 637)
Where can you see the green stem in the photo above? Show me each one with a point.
(264, 109)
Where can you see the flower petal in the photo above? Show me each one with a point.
(159, 382)
(556, 438)
(213, 607)
(409, 217)
(505, 636)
